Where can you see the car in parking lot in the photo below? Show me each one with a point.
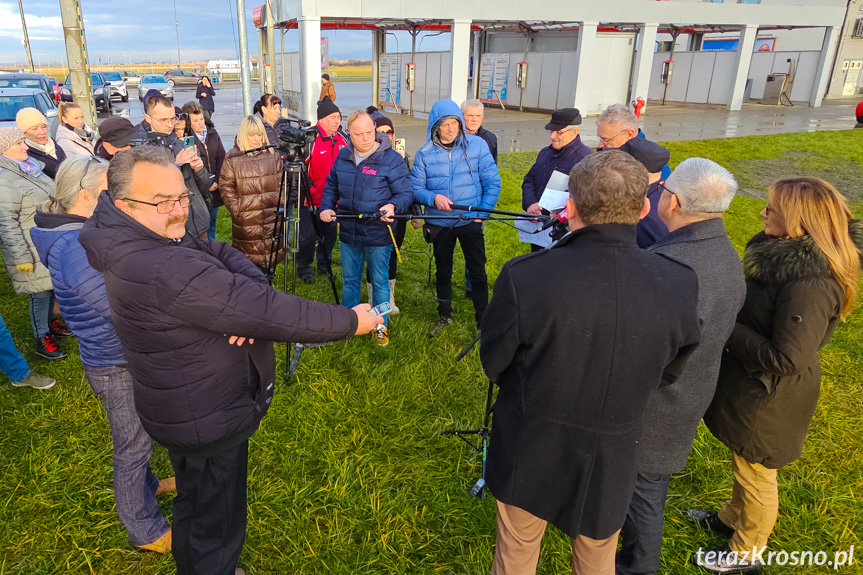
(155, 82)
(130, 77)
(116, 85)
(29, 80)
(182, 78)
(13, 99)
(101, 92)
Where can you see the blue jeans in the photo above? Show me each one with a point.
(12, 363)
(134, 483)
(642, 530)
(41, 312)
(211, 231)
(378, 258)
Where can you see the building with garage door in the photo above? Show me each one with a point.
(541, 55)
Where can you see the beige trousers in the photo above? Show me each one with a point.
(753, 507)
(519, 535)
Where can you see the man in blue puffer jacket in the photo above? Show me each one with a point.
(367, 177)
(80, 291)
(455, 168)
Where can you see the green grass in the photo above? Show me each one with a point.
(350, 474)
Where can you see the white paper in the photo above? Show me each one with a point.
(525, 227)
(554, 196)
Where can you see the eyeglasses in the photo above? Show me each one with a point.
(171, 121)
(607, 140)
(387, 132)
(92, 161)
(561, 132)
(766, 209)
(165, 206)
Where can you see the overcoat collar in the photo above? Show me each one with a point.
(703, 230)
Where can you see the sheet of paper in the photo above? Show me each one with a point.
(555, 194)
(526, 233)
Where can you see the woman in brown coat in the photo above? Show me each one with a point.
(249, 186)
(801, 279)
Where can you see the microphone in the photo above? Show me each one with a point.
(238, 153)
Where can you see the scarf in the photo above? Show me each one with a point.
(48, 147)
(29, 167)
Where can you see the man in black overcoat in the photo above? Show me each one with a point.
(577, 337)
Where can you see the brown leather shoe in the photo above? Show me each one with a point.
(161, 545)
(167, 485)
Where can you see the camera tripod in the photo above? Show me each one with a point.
(479, 488)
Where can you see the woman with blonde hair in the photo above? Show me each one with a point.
(249, 186)
(73, 135)
(801, 279)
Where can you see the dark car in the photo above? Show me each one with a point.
(29, 80)
(101, 91)
(182, 78)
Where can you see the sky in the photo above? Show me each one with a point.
(139, 30)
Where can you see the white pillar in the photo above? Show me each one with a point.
(584, 60)
(643, 62)
(459, 67)
(310, 65)
(744, 58)
(825, 61)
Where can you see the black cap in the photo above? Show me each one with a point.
(119, 132)
(651, 155)
(325, 77)
(326, 107)
(564, 117)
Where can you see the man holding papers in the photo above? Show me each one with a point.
(565, 151)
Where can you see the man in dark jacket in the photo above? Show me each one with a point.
(173, 297)
(691, 204)
(455, 168)
(116, 135)
(474, 113)
(565, 151)
(320, 157)
(368, 176)
(212, 152)
(653, 157)
(158, 128)
(577, 337)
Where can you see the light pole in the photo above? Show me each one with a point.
(26, 40)
(177, 28)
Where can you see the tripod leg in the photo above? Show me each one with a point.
(294, 361)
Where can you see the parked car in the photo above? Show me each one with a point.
(130, 77)
(155, 82)
(116, 85)
(182, 78)
(28, 80)
(13, 99)
(101, 92)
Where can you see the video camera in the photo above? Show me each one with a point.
(296, 136)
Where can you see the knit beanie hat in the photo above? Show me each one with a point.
(9, 136)
(379, 118)
(327, 107)
(29, 117)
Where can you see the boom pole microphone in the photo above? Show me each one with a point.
(235, 154)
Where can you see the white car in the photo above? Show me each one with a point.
(155, 82)
(116, 85)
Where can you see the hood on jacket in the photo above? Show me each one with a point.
(109, 235)
(441, 110)
(50, 228)
(782, 260)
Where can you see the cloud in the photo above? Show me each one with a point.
(39, 28)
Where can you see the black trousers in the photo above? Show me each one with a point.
(308, 240)
(210, 511)
(472, 242)
(642, 529)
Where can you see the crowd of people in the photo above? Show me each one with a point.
(608, 347)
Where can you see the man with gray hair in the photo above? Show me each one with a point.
(693, 200)
(616, 126)
(179, 304)
(474, 113)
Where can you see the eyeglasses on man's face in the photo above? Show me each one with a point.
(165, 206)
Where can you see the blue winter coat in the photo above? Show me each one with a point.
(382, 178)
(79, 289)
(547, 162)
(467, 174)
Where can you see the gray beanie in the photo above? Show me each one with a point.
(9, 137)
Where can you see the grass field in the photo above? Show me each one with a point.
(349, 473)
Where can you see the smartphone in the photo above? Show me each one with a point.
(382, 309)
(189, 142)
(400, 145)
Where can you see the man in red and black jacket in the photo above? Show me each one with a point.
(320, 158)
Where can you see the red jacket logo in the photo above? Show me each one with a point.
(370, 171)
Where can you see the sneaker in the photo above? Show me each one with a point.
(381, 336)
(161, 545)
(35, 381)
(58, 329)
(724, 560)
(46, 347)
(167, 485)
(307, 276)
(442, 324)
(710, 521)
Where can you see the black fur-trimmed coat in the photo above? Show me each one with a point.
(770, 376)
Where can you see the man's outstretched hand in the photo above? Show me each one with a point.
(365, 321)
